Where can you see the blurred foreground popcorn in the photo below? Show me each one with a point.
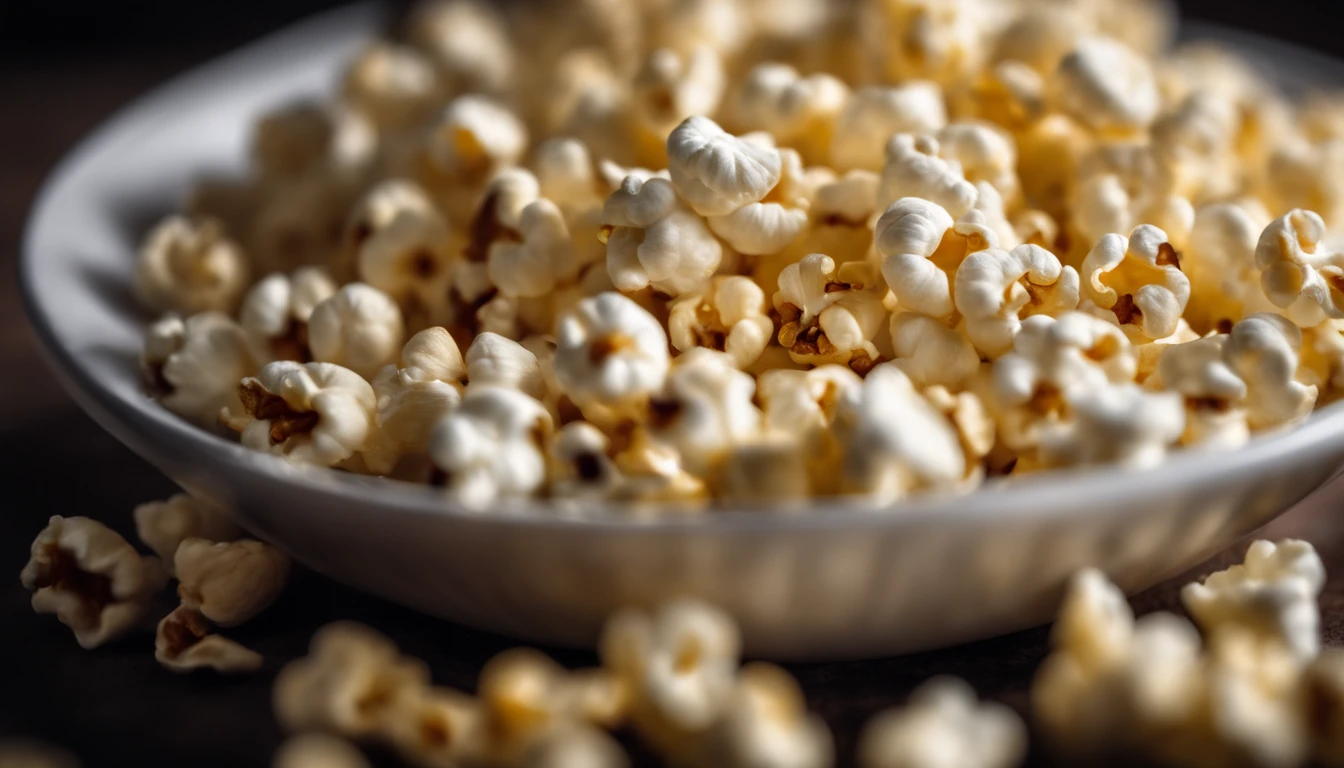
(318, 750)
(943, 726)
(164, 525)
(92, 580)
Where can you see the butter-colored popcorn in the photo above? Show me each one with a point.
(1299, 270)
(353, 682)
(1139, 280)
(468, 41)
(655, 241)
(767, 726)
(931, 353)
(803, 404)
(1198, 143)
(799, 111)
(721, 25)
(473, 138)
(770, 224)
(1302, 175)
(895, 442)
(1103, 204)
(1198, 371)
(1122, 425)
(944, 726)
(1220, 263)
(609, 349)
(229, 582)
(276, 310)
(413, 395)
(434, 726)
(830, 314)
(358, 327)
(310, 413)
(921, 249)
(1049, 153)
(915, 168)
(680, 667)
(730, 317)
(704, 409)
(985, 152)
(911, 39)
(185, 641)
(994, 289)
(576, 747)
(1256, 715)
(1271, 594)
(541, 260)
(671, 87)
(493, 446)
(1041, 36)
(1107, 87)
(91, 579)
(163, 525)
(318, 750)
(401, 244)
(874, 114)
(716, 172)
(196, 365)
(1264, 350)
(495, 361)
(395, 86)
(190, 266)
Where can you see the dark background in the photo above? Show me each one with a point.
(64, 66)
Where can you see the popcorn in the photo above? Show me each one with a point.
(432, 726)
(799, 112)
(767, 726)
(1213, 392)
(91, 579)
(492, 446)
(655, 241)
(468, 42)
(679, 665)
(358, 327)
(873, 115)
(609, 350)
(413, 395)
(392, 85)
(943, 726)
(704, 409)
(985, 153)
(307, 138)
(804, 403)
(188, 267)
(541, 261)
(717, 173)
(1220, 263)
(729, 317)
(184, 642)
(921, 248)
(1299, 271)
(922, 39)
(196, 365)
(1139, 280)
(229, 582)
(930, 353)
(402, 244)
(673, 86)
(771, 473)
(1272, 594)
(277, 308)
(164, 525)
(310, 413)
(1120, 424)
(1107, 87)
(995, 288)
(769, 225)
(473, 138)
(318, 750)
(830, 314)
(894, 441)
(1306, 176)
(1264, 351)
(577, 746)
(495, 361)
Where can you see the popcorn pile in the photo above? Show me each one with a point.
(752, 251)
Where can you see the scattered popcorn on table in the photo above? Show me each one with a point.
(318, 750)
(164, 525)
(943, 726)
(185, 641)
(1081, 244)
(229, 582)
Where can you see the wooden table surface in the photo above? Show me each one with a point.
(115, 705)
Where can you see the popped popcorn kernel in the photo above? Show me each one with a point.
(944, 726)
(185, 642)
(190, 266)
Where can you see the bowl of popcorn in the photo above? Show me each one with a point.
(869, 322)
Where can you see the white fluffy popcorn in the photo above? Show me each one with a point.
(276, 310)
(468, 42)
(196, 365)
(655, 241)
(729, 317)
(799, 111)
(874, 114)
(163, 525)
(931, 353)
(767, 726)
(673, 86)
(190, 266)
(985, 152)
(413, 394)
(1120, 424)
(493, 446)
(1220, 263)
(915, 168)
(717, 172)
(1300, 272)
(1264, 350)
(229, 582)
(770, 224)
(994, 289)
(944, 726)
(704, 409)
(475, 136)
(359, 327)
(402, 244)
(1139, 280)
(921, 249)
(1106, 86)
(1271, 594)
(310, 413)
(1213, 392)
(541, 261)
(830, 314)
(610, 349)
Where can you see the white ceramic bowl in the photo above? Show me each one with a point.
(837, 582)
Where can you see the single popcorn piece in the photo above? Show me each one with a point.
(799, 112)
(392, 85)
(874, 114)
(575, 747)
(610, 350)
(1103, 205)
(729, 317)
(1256, 712)
(92, 580)
(1139, 280)
(318, 750)
(1213, 392)
(229, 582)
(1303, 175)
(679, 665)
(944, 726)
(310, 413)
(1220, 263)
(359, 327)
(580, 465)
(717, 173)
(940, 41)
(803, 405)
(921, 249)
(830, 314)
(767, 726)
(704, 409)
(495, 361)
(1300, 272)
(1120, 425)
(1107, 87)
(493, 446)
(468, 41)
(195, 365)
(974, 424)
(402, 244)
(930, 353)
(994, 289)
(1272, 593)
(163, 525)
(276, 310)
(655, 241)
(895, 442)
(985, 152)
(436, 726)
(311, 138)
(770, 224)
(1265, 350)
(190, 266)
(474, 137)
(353, 682)
(672, 86)
(185, 641)
(413, 395)
(541, 260)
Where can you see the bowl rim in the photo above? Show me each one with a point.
(1033, 497)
